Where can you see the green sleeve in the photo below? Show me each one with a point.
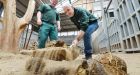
(84, 20)
(57, 17)
(41, 8)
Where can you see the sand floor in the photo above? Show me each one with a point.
(14, 64)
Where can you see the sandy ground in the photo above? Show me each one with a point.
(133, 62)
(11, 64)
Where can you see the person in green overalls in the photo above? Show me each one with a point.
(86, 23)
(49, 21)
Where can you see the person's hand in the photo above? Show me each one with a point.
(39, 22)
(75, 43)
(59, 28)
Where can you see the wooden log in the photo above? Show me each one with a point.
(107, 64)
(50, 67)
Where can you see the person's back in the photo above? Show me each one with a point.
(82, 18)
(83, 10)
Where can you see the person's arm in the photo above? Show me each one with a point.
(58, 26)
(39, 22)
(78, 37)
(58, 21)
(83, 24)
(39, 14)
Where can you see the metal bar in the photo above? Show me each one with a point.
(105, 17)
(29, 38)
(26, 37)
(108, 6)
(22, 40)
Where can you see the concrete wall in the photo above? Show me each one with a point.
(128, 15)
(100, 40)
(124, 28)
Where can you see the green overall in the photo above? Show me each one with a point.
(48, 27)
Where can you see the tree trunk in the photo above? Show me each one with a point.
(13, 26)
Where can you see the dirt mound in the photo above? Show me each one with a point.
(108, 64)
